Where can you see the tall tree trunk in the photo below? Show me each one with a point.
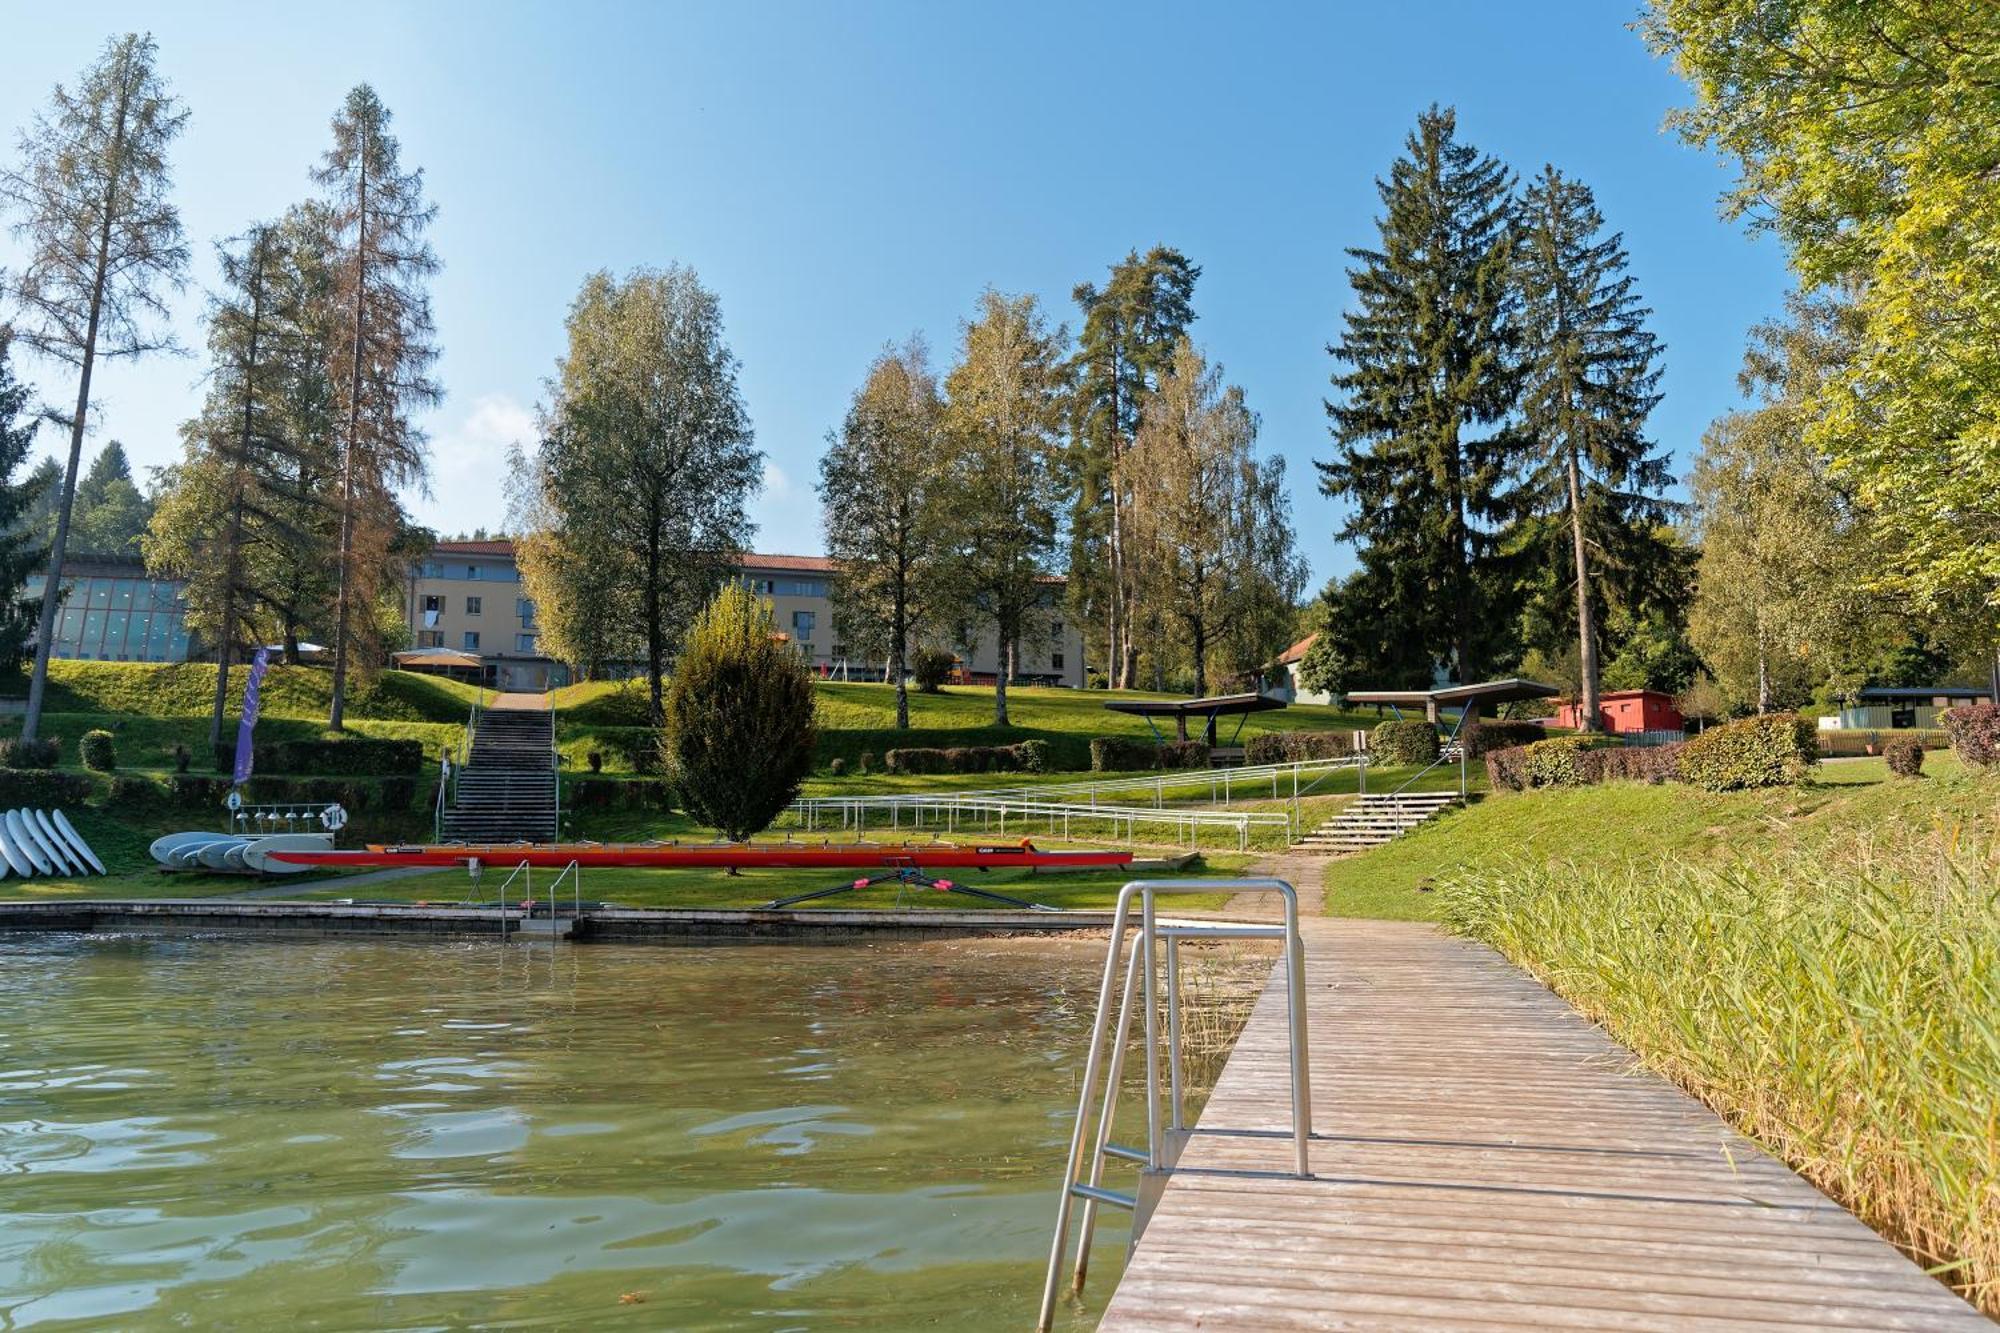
(1763, 674)
(1120, 626)
(343, 591)
(1005, 669)
(1586, 626)
(655, 630)
(1198, 640)
(45, 635)
(899, 634)
(233, 563)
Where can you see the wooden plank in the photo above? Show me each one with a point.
(1483, 1158)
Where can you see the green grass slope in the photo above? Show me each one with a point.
(187, 689)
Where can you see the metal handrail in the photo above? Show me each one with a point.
(947, 810)
(1163, 1144)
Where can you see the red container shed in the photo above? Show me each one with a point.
(1623, 712)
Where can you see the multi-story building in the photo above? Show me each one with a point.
(113, 611)
(467, 597)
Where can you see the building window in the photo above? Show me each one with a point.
(524, 607)
(524, 643)
(433, 605)
(472, 606)
(472, 641)
(430, 638)
(1055, 661)
(472, 571)
(802, 630)
(1055, 632)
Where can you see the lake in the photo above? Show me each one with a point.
(231, 1132)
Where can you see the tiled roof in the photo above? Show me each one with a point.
(1297, 651)
(497, 546)
(797, 564)
(793, 564)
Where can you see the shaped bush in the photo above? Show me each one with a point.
(1507, 769)
(1631, 763)
(1295, 747)
(1034, 756)
(1121, 754)
(1559, 762)
(931, 668)
(1405, 742)
(1975, 733)
(740, 722)
(1185, 754)
(1769, 751)
(1905, 755)
(40, 753)
(1482, 737)
(99, 751)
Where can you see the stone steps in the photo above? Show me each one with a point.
(1374, 820)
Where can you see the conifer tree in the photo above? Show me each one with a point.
(110, 514)
(94, 195)
(21, 548)
(381, 367)
(1127, 342)
(1593, 498)
(1427, 385)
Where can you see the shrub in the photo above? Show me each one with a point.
(1291, 747)
(41, 788)
(1120, 754)
(618, 794)
(1975, 733)
(1905, 755)
(1479, 738)
(1555, 762)
(1507, 769)
(868, 760)
(595, 759)
(740, 722)
(1405, 741)
(1185, 754)
(835, 766)
(352, 756)
(182, 758)
(1034, 756)
(931, 668)
(192, 791)
(132, 791)
(1631, 763)
(1767, 751)
(99, 751)
(966, 758)
(39, 753)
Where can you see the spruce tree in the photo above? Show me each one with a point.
(21, 547)
(1127, 343)
(1427, 387)
(1594, 497)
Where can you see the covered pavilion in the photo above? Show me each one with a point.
(1471, 700)
(1209, 710)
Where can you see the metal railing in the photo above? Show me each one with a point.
(1222, 783)
(1163, 1141)
(949, 812)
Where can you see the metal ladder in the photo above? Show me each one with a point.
(1164, 1142)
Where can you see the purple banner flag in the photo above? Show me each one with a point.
(244, 729)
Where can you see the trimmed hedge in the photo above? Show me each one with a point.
(1122, 754)
(355, 757)
(618, 794)
(1408, 741)
(1186, 754)
(1559, 762)
(968, 759)
(1905, 755)
(1483, 737)
(194, 791)
(1293, 747)
(98, 751)
(39, 753)
(1770, 751)
(1975, 733)
(1568, 761)
(41, 788)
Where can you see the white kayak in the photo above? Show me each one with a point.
(68, 830)
(52, 842)
(255, 856)
(17, 829)
(16, 859)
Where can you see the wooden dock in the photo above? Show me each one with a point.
(1486, 1159)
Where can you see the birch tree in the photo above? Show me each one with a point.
(92, 200)
(380, 371)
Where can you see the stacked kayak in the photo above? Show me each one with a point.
(236, 852)
(720, 855)
(44, 842)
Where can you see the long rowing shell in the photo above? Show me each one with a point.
(739, 856)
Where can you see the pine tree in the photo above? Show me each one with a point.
(881, 489)
(110, 515)
(21, 549)
(94, 190)
(1127, 342)
(380, 370)
(1590, 379)
(1429, 382)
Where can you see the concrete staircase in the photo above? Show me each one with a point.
(1374, 820)
(507, 790)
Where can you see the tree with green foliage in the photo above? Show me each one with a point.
(882, 484)
(1867, 136)
(20, 542)
(647, 464)
(1428, 384)
(1324, 669)
(110, 514)
(1004, 405)
(1594, 499)
(93, 195)
(1130, 328)
(1210, 526)
(1783, 553)
(382, 264)
(739, 721)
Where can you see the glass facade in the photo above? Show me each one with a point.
(118, 616)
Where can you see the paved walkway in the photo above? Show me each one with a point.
(526, 703)
(1485, 1159)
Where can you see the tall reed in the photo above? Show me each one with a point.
(1841, 1007)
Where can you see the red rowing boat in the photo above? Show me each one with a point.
(709, 856)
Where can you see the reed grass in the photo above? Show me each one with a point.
(1841, 1006)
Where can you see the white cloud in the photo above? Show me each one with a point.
(469, 465)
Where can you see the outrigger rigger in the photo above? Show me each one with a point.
(905, 862)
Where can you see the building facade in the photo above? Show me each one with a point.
(1626, 712)
(1896, 708)
(467, 597)
(112, 611)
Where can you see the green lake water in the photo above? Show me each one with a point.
(230, 1133)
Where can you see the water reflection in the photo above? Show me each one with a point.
(203, 1132)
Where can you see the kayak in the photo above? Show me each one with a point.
(710, 856)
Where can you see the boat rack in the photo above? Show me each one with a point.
(1164, 1141)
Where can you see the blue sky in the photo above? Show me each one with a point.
(845, 174)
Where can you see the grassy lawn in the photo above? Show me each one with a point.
(1622, 824)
